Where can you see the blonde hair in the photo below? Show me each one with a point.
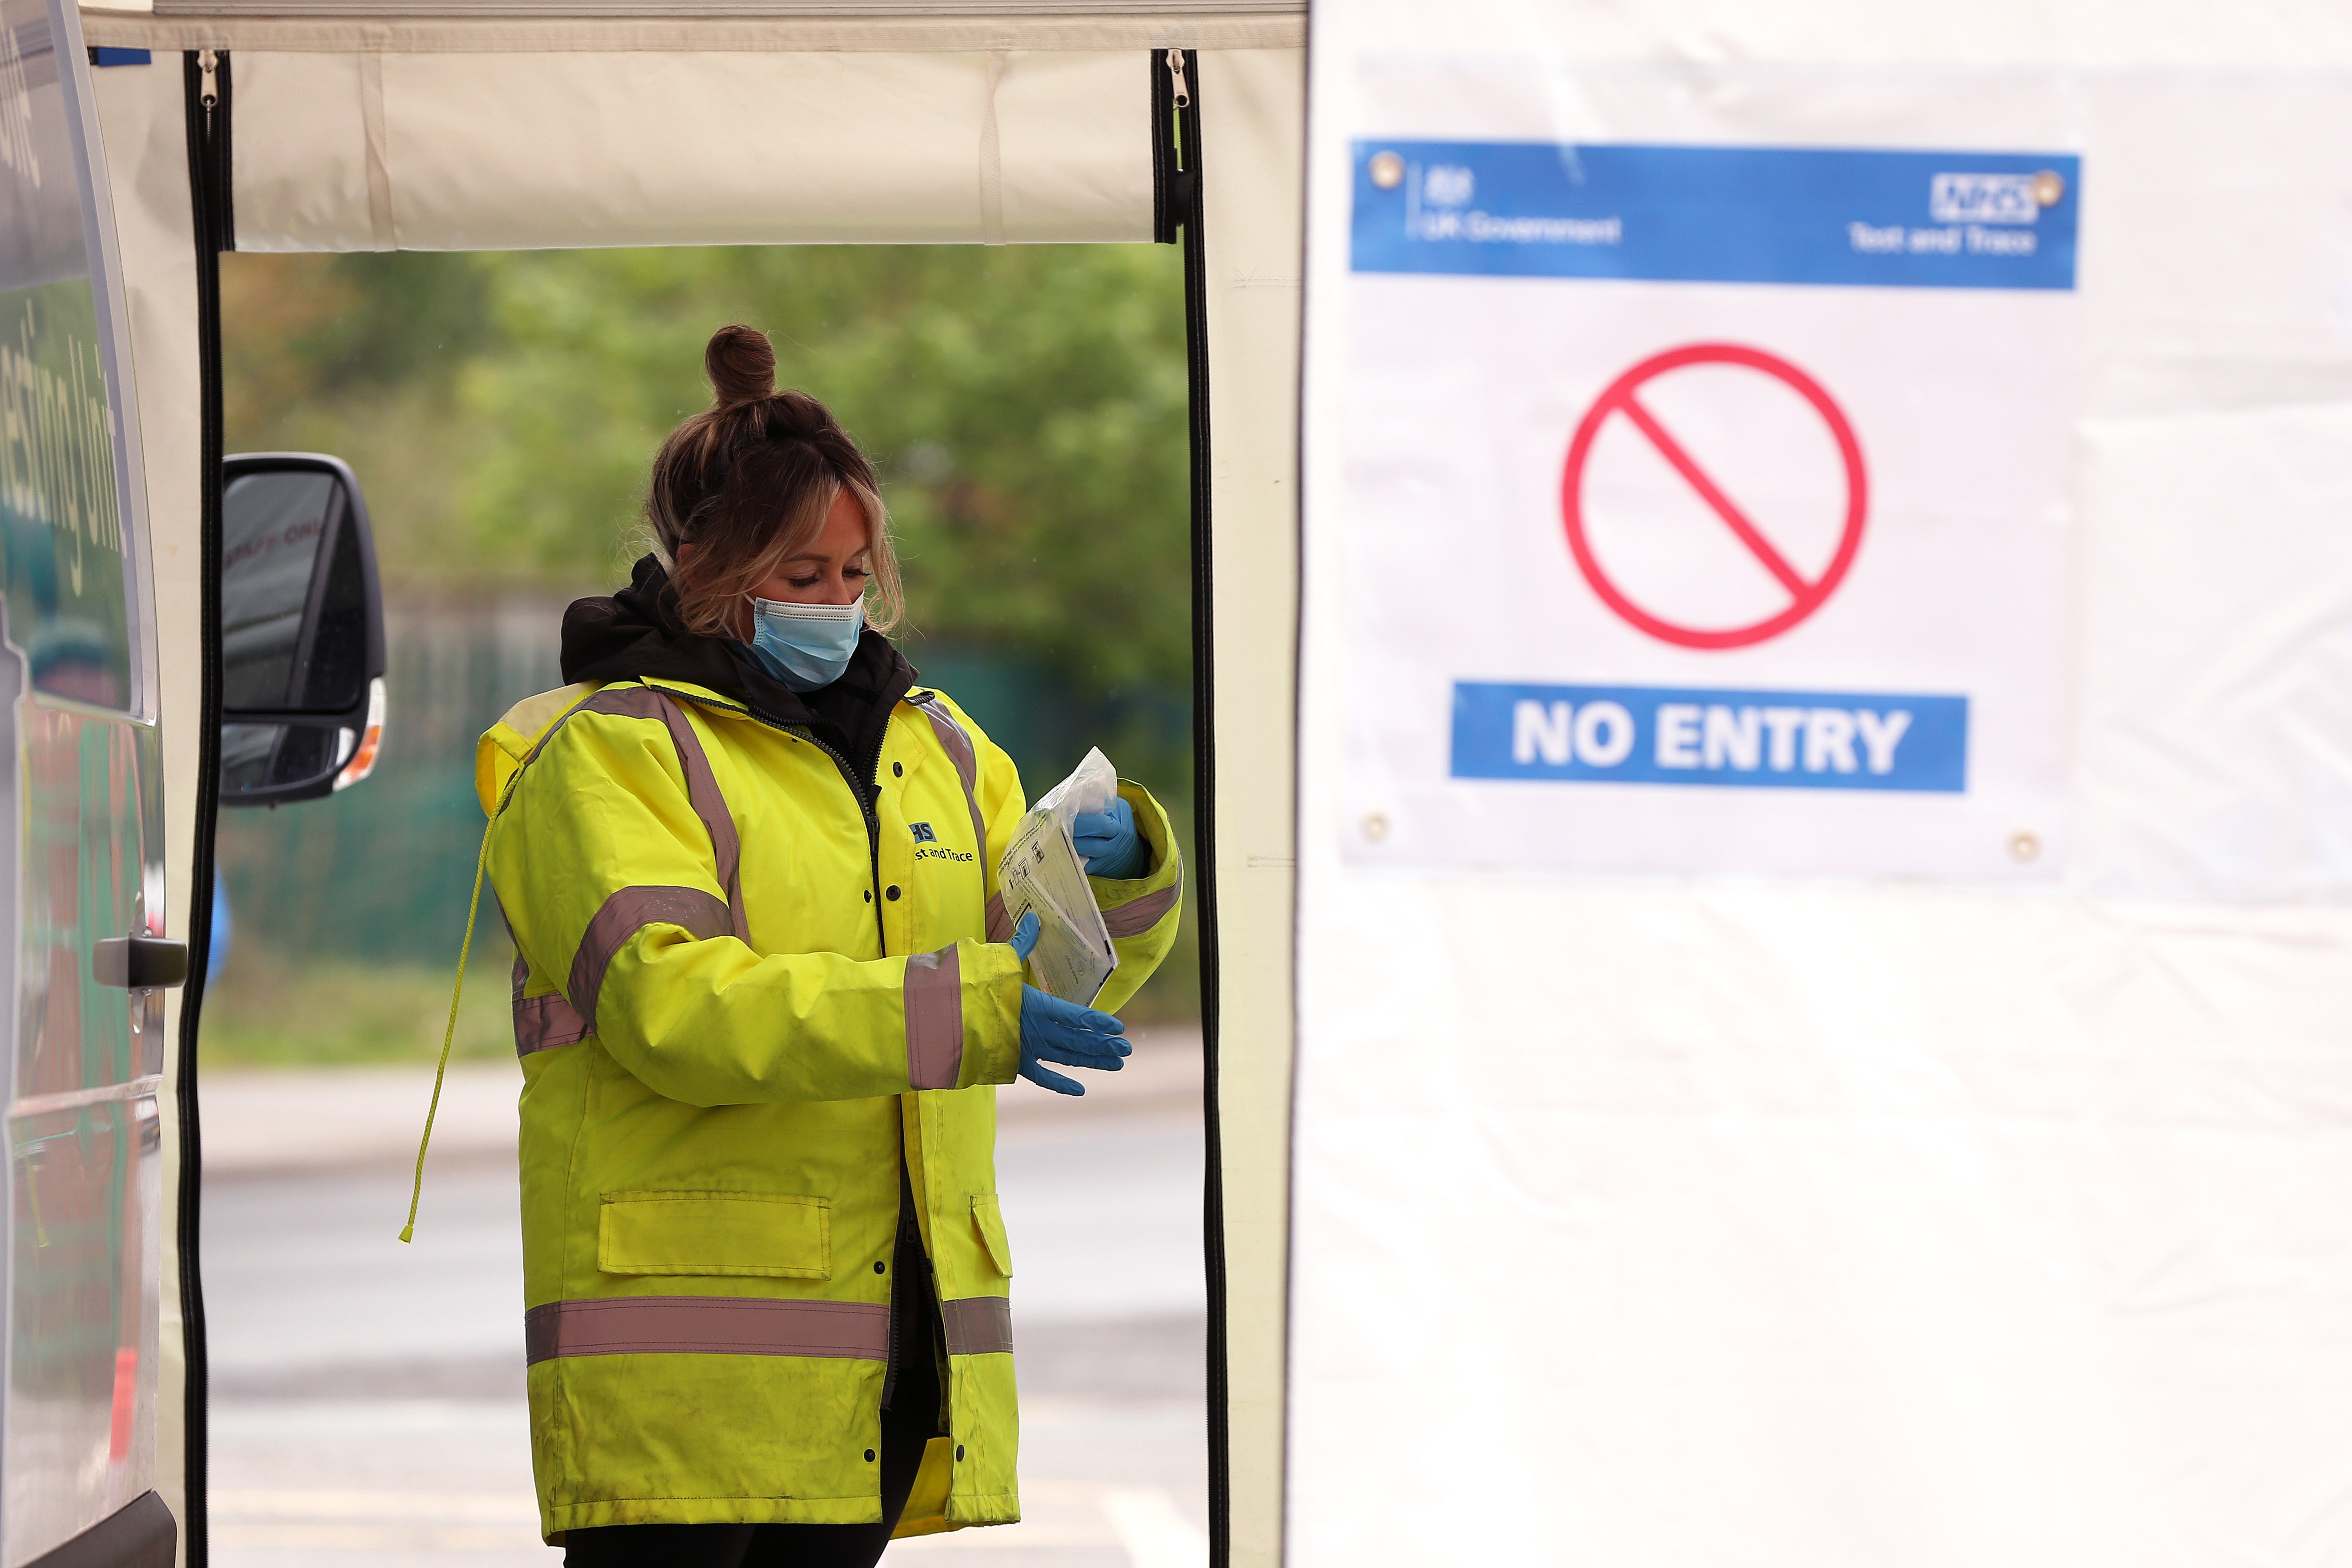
(748, 484)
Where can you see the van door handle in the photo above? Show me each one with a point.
(139, 962)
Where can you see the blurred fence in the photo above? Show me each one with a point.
(382, 871)
(380, 874)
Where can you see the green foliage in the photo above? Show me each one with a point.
(1025, 406)
(269, 1010)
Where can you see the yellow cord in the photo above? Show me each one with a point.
(448, 1036)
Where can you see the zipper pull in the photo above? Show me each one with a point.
(209, 94)
(1175, 77)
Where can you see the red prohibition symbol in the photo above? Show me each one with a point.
(1805, 595)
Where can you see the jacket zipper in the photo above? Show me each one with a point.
(874, 870)
(848, 776)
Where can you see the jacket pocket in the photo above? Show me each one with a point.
(991, 1232)
(775, 1235)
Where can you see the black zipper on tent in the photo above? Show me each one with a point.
(1175, 176)
(206, 79)
(1176, 193)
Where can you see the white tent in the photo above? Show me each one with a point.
(1701, 1176)
(512, 124)
(1673, 1210)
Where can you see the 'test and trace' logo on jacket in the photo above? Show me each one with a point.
(934, 849)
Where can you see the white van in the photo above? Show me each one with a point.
(285, 703)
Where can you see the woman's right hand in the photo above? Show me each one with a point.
(1053, 1030)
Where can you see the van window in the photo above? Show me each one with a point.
(61, 518)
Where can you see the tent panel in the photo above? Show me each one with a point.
(1863, 1221)
(1074, 163)
(493, 151)
(299, 154)
(143, 119)
(2098, 35)
(1071, 143)
(1253, 125)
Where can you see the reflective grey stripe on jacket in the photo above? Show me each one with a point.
(706, 1325)
(934, 983)
(977, 1325)
(567, 1016)
(543, 1023)
(932, 995)
(621, 916)
(1131, 919)
(1137, 916)
(961, 752)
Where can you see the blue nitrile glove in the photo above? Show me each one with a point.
(1109, 843)
(1052, 1030)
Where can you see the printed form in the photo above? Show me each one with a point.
(1041, 872)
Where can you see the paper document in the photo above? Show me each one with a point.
(1041, 871)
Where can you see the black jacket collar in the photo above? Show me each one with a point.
(636, 634)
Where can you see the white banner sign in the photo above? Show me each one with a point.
(1708, 503)
(1814, 444)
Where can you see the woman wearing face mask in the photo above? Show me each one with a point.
(764, 995)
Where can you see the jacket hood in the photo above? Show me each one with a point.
(636, 634)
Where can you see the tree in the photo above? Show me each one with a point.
(1025, 406)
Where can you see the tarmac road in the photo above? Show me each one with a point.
(367, 1397)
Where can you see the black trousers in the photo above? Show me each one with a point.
(910, 1419)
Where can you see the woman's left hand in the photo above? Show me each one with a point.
(1109, 843)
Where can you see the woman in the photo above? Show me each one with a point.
(764, 992)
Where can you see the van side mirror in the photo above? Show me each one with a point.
(303, 646)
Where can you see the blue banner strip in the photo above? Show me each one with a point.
(1750, 739)
(1718, 215)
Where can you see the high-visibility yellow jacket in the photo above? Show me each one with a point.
(738, 999)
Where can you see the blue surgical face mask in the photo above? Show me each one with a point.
(806, 646)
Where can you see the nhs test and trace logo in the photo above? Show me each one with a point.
(1992, 198)
(1989, 216)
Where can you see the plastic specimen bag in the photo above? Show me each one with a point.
(1043, 872)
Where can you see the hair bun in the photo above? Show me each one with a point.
(742, 365)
